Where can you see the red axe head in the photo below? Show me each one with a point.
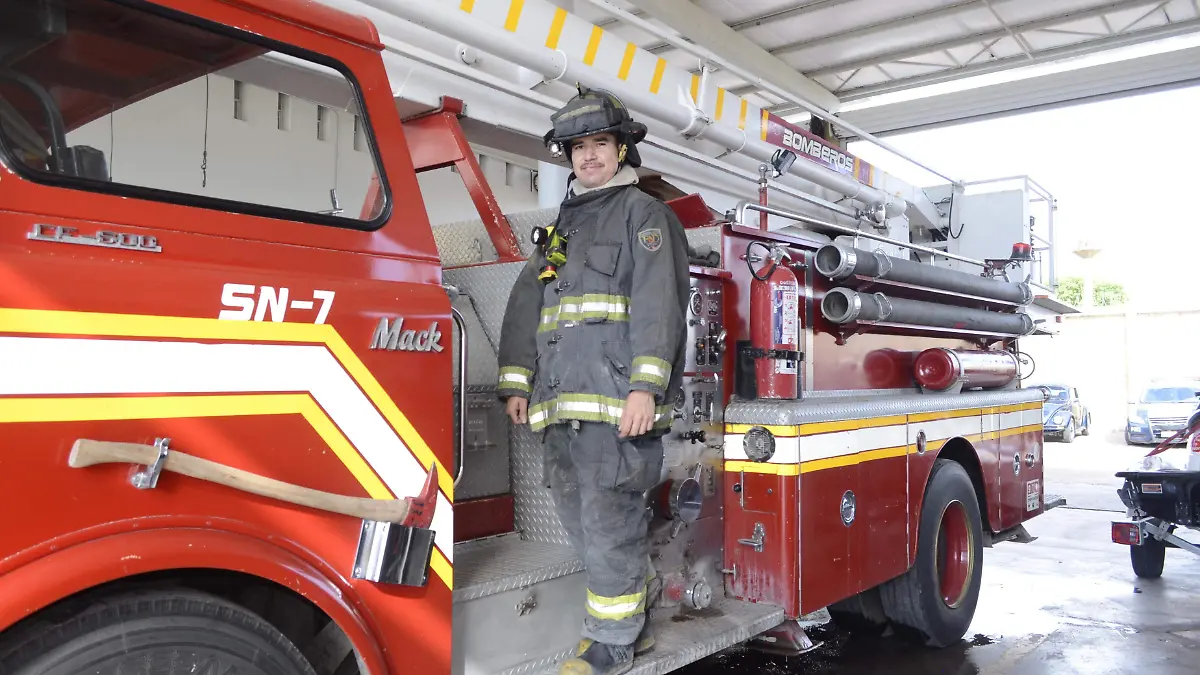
(420, 507)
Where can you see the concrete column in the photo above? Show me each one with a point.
(552, 184)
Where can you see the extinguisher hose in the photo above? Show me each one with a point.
(769, 256)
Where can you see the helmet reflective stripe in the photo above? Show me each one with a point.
(593, 112)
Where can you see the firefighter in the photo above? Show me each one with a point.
(591, 356)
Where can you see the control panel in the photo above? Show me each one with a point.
(700, 403)
(706, 327)
(698, 410)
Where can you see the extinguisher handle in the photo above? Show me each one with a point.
(770, 256)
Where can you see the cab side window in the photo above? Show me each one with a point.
(104, 96)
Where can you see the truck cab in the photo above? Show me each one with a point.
(163, 288)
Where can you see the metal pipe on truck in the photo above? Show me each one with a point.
(844, 305)
(555, 65)
(838, 261)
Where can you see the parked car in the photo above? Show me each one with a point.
(1163, 409)
(1063, 413)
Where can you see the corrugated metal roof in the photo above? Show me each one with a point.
(861, 48)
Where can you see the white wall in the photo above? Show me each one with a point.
(160, 142)
(447, 200)
(1110, 356)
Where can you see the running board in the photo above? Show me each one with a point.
(683, 638)
(518, 610)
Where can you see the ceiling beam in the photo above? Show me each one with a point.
(878, 27)
(1044, 56)
(705, 30)
(1155, 72)
(921, 50)
(763, 19)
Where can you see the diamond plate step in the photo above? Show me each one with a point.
(681, 639)
(501, 564)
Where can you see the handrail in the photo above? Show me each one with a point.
(459, 451)
(743, 206)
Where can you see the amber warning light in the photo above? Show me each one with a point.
(1127, 533)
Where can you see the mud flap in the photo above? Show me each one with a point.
(788, 639)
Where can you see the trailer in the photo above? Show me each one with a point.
(1159, 503)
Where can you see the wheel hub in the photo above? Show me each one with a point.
(955, 554)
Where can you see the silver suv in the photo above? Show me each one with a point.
(1162, 410)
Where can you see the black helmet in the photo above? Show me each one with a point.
(594, 111)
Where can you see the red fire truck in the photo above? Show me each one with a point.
(242, 435)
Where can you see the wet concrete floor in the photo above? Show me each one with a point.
(1066, 603)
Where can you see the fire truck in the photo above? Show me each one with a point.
(245, 433)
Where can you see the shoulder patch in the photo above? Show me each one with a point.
(651, 239)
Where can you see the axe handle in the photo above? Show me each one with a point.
(88, 453)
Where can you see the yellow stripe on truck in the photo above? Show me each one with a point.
(655, 82)
(627, 61)
(556, 28)
(58, 322)
(514, 15)
(589, 57)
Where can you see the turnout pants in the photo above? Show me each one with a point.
(597, 481)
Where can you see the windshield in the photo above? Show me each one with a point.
(1170, 394)
(1058, 394)
(121, 96)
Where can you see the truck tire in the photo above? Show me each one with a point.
(162, 632)
(936, 597)
(1148, 559)
(861, 613)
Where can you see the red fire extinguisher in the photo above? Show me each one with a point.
(774, 324)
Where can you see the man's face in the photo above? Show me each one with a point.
(594, 159)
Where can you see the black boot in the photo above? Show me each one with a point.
(599, 658)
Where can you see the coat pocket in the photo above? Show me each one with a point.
(599, 302)
(640, 462)
(619, 356)
(602, 257)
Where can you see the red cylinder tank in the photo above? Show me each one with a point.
(775, 327)
(941, 369)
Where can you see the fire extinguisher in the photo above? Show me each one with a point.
(774, 324)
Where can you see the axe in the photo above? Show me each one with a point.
(413, 512)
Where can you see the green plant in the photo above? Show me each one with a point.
(1104, 293)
